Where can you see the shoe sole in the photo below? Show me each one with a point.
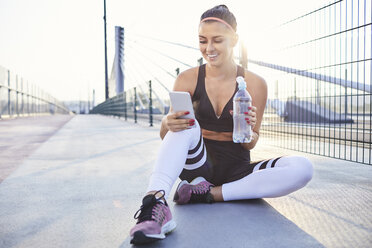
(197, 180)
(139, 238)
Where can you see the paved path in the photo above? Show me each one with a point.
(21, 136)
(82, 186)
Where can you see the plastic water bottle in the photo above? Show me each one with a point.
(242, 132)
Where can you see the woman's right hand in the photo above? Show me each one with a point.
(173, 123)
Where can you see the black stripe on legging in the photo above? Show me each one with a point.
(197, 158)
(197, 146)
(263, 165)
(274, 162)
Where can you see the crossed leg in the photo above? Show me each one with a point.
(270, 178)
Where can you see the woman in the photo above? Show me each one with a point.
(211, 166)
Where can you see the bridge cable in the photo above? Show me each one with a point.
(163, 54)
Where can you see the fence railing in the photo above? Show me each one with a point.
(19, 98)
(134, 104)
(320, 101)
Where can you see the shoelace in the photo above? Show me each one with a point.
(149, 206)
(200, 193)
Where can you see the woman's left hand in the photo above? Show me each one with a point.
(250, 116)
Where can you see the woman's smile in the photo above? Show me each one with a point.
(212, 57)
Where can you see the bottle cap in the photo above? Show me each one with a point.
(241, 83)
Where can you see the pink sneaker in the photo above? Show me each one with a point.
(154, 220)
(198, 190)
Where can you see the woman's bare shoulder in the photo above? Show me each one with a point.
(256, 83)
(254, 79)
(186, 80)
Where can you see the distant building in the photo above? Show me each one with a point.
(116, 80)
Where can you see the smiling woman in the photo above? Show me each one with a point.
(213, 168)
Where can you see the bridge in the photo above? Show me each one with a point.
(77, 180)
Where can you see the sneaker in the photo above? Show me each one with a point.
(198, 190)
(154, 220)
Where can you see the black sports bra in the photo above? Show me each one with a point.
(204, 111)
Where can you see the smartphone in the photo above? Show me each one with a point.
(181, 101)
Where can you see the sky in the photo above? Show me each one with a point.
(59, 44)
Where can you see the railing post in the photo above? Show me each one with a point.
(1, 106)
(9, 93)
(345, 94)
(276, 89)
(27, 99)
(125, 105)
(22, 97)
(295, 89)
(135, 104)
(150, 104)
(17, 110)
(317, 93)
(38, 100)
(32, 99)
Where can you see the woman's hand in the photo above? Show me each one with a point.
(173, 123)
(250, 116)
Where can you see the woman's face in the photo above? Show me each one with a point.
(216, 43)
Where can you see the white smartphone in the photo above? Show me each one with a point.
(181, 101)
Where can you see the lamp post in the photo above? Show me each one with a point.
(106, 77)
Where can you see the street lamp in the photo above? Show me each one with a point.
(106, 77)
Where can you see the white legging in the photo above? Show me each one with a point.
(289, 174)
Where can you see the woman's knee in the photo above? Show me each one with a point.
(302, 166)
(190, 133)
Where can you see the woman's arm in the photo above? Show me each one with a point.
(186, 81)
(164, 129)
(171, 122)
(252, 144)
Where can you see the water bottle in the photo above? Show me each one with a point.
(242, 132)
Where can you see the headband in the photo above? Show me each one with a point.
(218, 20)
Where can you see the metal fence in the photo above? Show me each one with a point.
(320, 101)
(19, 98)
(136, 103)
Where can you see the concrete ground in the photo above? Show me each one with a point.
(20, 137)
(83, 184)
